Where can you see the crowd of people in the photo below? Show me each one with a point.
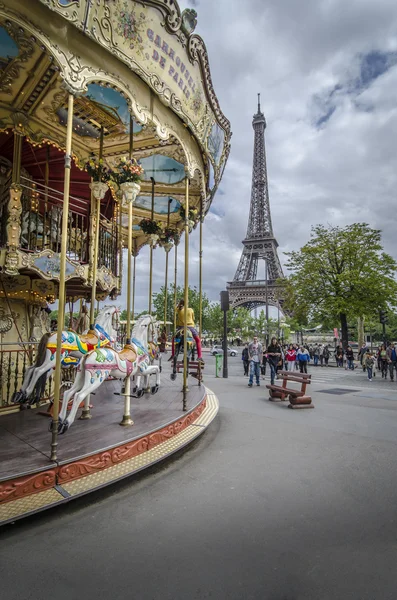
(277, 356)
(293, 357)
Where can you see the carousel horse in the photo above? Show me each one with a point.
(74, 346)
(101, 363)
(178, 344)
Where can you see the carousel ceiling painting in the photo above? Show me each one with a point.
(8, 49)
(161, 205)
(99, 107)
(163, 169)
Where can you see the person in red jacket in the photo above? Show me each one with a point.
(290, 356)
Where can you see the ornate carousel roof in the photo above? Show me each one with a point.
(103, 52)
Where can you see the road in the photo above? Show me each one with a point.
(269, 504)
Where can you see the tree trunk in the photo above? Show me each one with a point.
(345, 333)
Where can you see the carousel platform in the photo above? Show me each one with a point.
(97, 452)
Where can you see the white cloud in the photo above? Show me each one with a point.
(295, 53)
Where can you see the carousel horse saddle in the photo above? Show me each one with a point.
(90, 338)
(179, 336)
(128, 353)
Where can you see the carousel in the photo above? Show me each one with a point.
(111, 138)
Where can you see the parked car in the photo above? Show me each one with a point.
(219, 350)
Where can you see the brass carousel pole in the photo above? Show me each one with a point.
(151, 252)
(186, 295)
(175, 291)
(201, 272)
(96, 245)
(86, 414)
(134, 262)
(166, 269)
(133, 282)
(127, 420)
(62, 274)
(46, 183)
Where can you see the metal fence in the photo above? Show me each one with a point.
(13, 366)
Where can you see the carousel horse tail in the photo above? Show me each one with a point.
(38, 390)
(42, 350)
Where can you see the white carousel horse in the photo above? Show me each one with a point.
(102, 363)
(74, 346)
(31, 223)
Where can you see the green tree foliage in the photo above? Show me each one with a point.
(339, 275)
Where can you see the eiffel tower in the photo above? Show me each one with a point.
(248, 288)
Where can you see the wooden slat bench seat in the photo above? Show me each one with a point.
(297, 397)
(195, 368)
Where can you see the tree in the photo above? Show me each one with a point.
(214, 321)
(340, 274)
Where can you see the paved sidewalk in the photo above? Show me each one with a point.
(269, 504)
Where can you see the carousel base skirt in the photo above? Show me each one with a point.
(97, 452)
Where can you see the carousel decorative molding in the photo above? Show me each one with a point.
(26, 48)
(13, 229)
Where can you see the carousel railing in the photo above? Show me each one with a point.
(108, 245)
(41, 222)
(13, 365)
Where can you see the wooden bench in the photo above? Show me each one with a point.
(196, 369)
(297, 398)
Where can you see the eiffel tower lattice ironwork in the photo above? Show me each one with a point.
(248, 288)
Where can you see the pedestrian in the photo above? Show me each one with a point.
(245, 359)
(349, 358)
(303, 358)
(392, 356)
(384, 361)
(290, 357)
(339, 356)
(378, 358)
(362, 355)
(264, 363)
(368, 362)
(255, 352)
(326, 355)
(316, 354)
(322, 355)
(274, 356)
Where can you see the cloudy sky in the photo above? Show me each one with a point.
(327, 73)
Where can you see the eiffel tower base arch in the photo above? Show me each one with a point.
(253, 294)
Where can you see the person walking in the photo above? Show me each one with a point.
(316, 355)
(368, 362)
(326, 355)
(263, 366)
(384, 361)
(362, 355)
(290, 356)
(339, 356)
(350, 358)
(392, 356)
(322, 355)
(245, 359)
(303, 358)
(255, 352)
(274, 356)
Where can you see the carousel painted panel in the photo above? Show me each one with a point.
(156, 40)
